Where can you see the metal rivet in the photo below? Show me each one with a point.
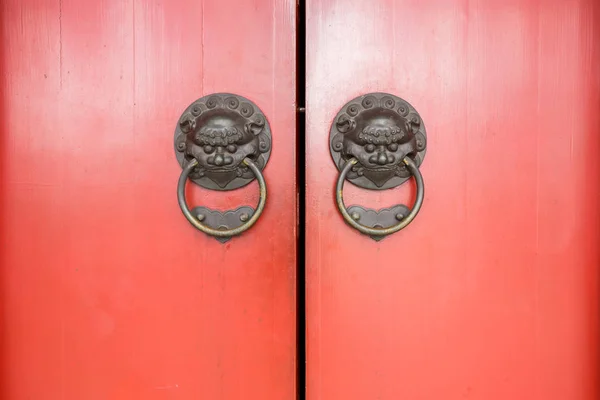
(399, 217)
(185, 126)
(244, 217)
(355, 216)
(200, 217)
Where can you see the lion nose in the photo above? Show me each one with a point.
(219, 160)
(380, 158)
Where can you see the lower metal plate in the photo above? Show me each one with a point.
(383, 218)
(223, 220)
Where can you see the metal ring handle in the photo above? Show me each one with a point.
(215, 232)
(414, 170)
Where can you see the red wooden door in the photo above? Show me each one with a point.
(106, 291)
(492, 292)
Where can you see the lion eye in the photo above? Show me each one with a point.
(208, 149)
(370, 148)
(393, 147)
(232, 148)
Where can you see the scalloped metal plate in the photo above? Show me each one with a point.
(223, 220)
(383, 218)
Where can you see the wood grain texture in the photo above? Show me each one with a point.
(492, 293)
(106, 291)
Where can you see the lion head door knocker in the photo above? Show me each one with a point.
(222, 142)
(378, 142)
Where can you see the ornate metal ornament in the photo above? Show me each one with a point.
(222, 142)
(220, 131)
(379, 130)
(377, 142)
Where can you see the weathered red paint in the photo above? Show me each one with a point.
(492, 293)
(106, 291)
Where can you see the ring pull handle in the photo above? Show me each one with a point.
(378, 233)
(196, 218)
(378, 141)
(222, 142)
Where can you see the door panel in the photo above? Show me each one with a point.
(107, 292)
(492, 292)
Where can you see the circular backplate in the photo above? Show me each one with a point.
(220, 130)
(379, 130)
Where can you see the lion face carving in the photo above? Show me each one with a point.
(220, 134)
(379, 133)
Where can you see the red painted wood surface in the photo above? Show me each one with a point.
(492, 293)
(106, 291)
